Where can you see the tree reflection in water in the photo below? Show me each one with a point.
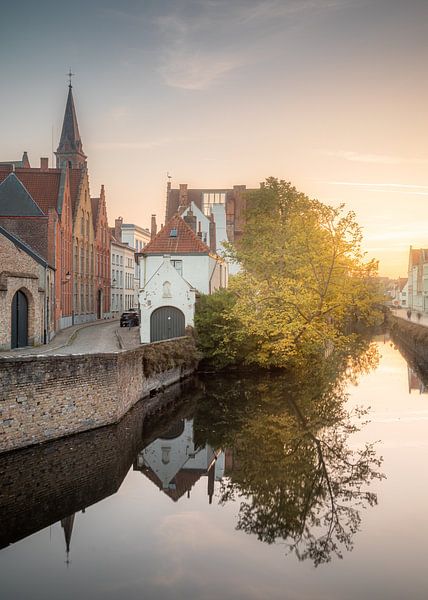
(297, 479)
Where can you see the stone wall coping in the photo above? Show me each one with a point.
(79, 357)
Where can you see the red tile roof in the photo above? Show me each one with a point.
(182, 482)
(185, 240)
(43, 186)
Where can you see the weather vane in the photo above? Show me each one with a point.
(70, 75)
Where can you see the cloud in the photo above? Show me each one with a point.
(382, 159)
(204, 40)
(194, 70)
(402, 188)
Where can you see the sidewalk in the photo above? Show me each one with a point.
(401, 313)
(67, 340)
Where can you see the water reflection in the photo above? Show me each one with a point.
(295, 475)
(174, 463)
(278, 446)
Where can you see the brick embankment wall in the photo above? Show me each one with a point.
(412, 341)
(47, 397)
(44, 483)
(412, 336)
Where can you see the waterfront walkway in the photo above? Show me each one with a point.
(401, 313)
(86, 338)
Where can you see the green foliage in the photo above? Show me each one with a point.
(304, 280)
(220, 337)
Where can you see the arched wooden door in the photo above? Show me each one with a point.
(19, 330)
(166, 322)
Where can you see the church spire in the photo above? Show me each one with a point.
(70, 145)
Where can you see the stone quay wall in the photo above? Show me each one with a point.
(411, 335)
(47, 397)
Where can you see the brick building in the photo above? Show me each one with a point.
(26, 301)
(226, 205)
(35, 206)
(91, 239)
(51, 210)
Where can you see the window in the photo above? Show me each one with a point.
(173, 233)
(210, 198)
(178, 266)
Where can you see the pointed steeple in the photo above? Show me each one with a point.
(70, 145)
(67, 525)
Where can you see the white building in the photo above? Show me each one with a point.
(174, 463)
(174, 267)
(136, 237)
(212, 225)
(123, 294)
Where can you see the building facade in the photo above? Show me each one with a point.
(51, 210)
(26, 295)
(123, 293)
(175, 267)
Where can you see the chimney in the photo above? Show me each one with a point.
(118, 229)
(213, 240)
(190, 219)
(44, 164)
(199, 230)
(25, 162)
(153, 227)
(182, 195)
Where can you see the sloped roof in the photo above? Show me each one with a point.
(184, 242)
(23, 246)
(70, 137)
(402, 282)
(95, 203)
(183, 481)
(76, 176)
(15, 199)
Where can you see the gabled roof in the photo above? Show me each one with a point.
(23, 246)
(15, 199)
(185, 241)
(182, 482)
(402, 281)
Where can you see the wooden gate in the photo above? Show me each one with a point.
(166, 322)
(19, 333)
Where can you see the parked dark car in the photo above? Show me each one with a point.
(129, 319)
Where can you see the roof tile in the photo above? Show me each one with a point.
(185, 240)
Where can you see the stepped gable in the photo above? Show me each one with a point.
(176, 237)
(16, 200)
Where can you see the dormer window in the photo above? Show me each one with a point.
(173, 233)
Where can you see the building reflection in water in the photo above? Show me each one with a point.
(415, 382)
(174, 463)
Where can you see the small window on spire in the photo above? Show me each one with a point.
(173, 232)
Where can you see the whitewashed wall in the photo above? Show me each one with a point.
(155, 294)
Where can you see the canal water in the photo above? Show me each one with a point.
(310, 486)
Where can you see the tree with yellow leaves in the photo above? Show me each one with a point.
(303, 282)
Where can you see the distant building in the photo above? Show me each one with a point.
(417, 287)
(123, 294)
(135, 236)
(174, 267)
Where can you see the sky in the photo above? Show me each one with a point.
(328, 94)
